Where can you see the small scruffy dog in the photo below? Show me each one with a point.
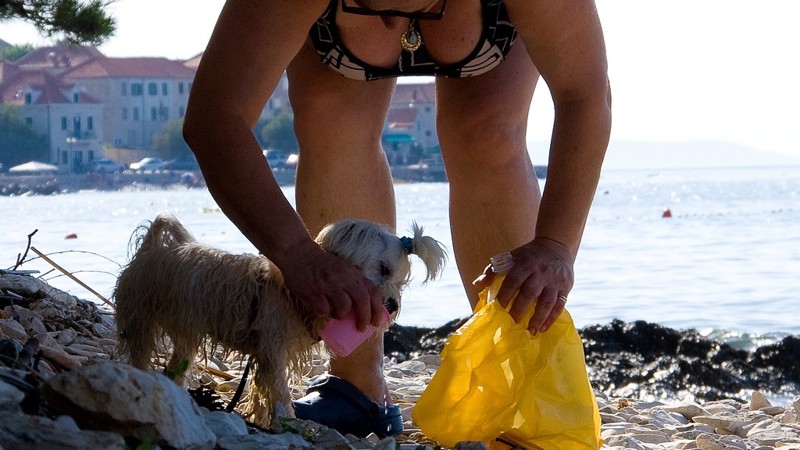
(177, 287)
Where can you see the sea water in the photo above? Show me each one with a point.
(727, 261)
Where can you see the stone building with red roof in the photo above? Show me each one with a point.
(85, 102)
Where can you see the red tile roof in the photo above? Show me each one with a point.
(401, 118)
(131, 67)
(58, 58)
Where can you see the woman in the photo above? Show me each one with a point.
(341, 57)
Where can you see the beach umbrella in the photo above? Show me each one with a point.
(34, 166)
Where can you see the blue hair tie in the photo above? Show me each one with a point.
(408, 244)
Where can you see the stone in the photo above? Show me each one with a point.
(132, 402)
(758, 400)
(263, 441)
(34, 432)
(224, 424)
(712, 442)
(10, 397)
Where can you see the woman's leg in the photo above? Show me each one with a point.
(342, 173)
(494, 194)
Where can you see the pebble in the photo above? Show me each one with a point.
(627, 423)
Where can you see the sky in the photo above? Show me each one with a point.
(680, 70)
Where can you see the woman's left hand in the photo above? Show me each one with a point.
(542, 274)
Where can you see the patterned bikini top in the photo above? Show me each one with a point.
(496, 40)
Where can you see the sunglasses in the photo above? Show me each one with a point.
(420, 15)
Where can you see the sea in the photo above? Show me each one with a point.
(714, 250)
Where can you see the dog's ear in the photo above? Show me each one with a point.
(430, 251)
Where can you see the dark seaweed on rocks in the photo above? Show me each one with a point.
(641, 360)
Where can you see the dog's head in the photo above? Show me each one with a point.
(382, 256)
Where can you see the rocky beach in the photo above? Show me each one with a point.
(657, 388)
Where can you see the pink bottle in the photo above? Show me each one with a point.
(342, 336)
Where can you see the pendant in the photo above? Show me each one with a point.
(411, 40)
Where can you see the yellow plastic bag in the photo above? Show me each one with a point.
(497, 379)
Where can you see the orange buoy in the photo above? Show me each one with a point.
(667, 214)
(71, 236)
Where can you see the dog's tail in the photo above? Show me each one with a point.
(429, 250)
(164, 231)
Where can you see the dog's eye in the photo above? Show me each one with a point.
(385, 271)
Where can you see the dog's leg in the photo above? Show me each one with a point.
(184, 350)
(138, 336)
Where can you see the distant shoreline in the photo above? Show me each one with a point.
(53, 183)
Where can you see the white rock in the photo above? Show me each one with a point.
(224, 424)
(688, 410)
(10, 397)
(34, 432)
(12, 329)
(758, 400)
(625, 441)
(712, 442)
(146, 405)
(263, 441)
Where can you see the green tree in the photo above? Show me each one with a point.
(15, 52)
(278, 133)
(18, 142)
(169, 143)
(78, 22)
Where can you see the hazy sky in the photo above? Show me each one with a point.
(720, 70)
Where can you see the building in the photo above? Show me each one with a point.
(86, 103)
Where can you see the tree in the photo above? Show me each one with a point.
(169, 143)
(278, 133)
(15, 52)
(79, 23)
(18, 142)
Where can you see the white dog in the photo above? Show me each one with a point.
(195, 294)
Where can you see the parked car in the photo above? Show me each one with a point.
(148, 164)
(104, 165)
(186, 163)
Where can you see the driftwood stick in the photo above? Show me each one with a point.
(20, 259)
(72, 277)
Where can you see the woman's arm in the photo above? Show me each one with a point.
(252, 44)
(565, 42)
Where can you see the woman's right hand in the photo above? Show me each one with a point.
(332, 286)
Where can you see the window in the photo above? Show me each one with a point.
(153, 113)
(135, 113)
(29, 121)
(63, 122)
(64, 157)
(90, 123)
(76, 98)
(124, 87)
(136, 89)
(152, 89)
(164, 89)
(181, 111)
(28, 98)
(124, 113)
(180, 88)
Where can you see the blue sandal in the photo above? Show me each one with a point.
(336, 403)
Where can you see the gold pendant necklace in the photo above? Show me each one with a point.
(411, 39)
